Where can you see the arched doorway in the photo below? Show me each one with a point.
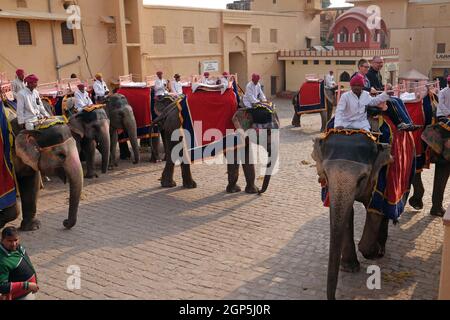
(238, 60)
(345, 77)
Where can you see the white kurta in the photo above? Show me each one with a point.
(82, 100)
(16, 86)
(224, 82)
(208, 81)
(329, 81)
(160, 87)
(30, 108)
(443, 109)
(177, 87)
(253, 94)
(100, 89)
(351, 111)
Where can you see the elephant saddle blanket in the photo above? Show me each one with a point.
(437, 137)
(142, 102)
(93, 107)
(311, 97)
(7, 184)
(50, 122)
(206, 118)
(394, 180)
(421, 114)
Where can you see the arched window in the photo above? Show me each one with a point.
(24, 33)
(358, 36)
(343, 35)
(67, 34)
(376, 35)
(345, 77)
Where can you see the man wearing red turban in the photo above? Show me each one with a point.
(30, 108)
(443, 109)
(207, 80)
(351, 111)
(18, 84)
(253, 92)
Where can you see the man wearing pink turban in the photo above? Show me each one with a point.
(18, 84)
(253, 92)
(443, 109)
(351, 111)
(207, 80)
(30, 108)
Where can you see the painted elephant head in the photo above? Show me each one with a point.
(93, 126)
(349, 164)
(53, 152)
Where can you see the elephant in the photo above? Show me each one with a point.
(121, 116)
(91, 131)
(350, 164)
(52, 152)
(331, 102)
(169, 121)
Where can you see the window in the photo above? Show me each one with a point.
(22, 4)
(24, 33)
(159, 35)
(273, 35)
(328, 62)
(274, 1)
(188, 35)
(316, 62)
(345, 62)
(305, 61)
(343, 35)
(67, 34)
(213, 35)
(308, 43)
(256, 35)
(112, 34)
(359, 35)
(440, 48)
(345, 77)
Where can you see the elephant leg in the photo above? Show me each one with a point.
(233, 177)
(29, 190)
(323, 116)
(349, 261)
(296, 120)
(441, 176)
(383, 236)
(114, 138)
(125, 153)
(167, 175)
(130, 127)
(188, 181)
(8, 215)
(155, 144)
(249, 169)
(90, 146)
(416, 200)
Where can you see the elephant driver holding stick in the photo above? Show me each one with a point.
(30, 109)
(82, 98)
(351, 111)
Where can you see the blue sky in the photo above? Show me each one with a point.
(218, 4)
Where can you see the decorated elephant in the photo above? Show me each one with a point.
(169, 121)
(91, 130)
(349, 166)
(121, 116)
(52, 151)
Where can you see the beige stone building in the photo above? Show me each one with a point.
(119, 37)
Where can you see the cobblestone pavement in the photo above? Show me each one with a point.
(135, 240)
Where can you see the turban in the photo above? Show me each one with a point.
(31, 79)
(176, 75)
(206, 74)
(159, 73)
(99, 75)
(20, 72)
(81, 86)
(225, 74)
(448, 79)
(357, 80)
(255, 77)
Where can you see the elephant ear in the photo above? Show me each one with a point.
(27, 148)
(242, 120)
(384, 158)
(76, 125)
(318, 157)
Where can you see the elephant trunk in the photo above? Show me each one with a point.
(271, 161)
(74, 173)
(104, 143)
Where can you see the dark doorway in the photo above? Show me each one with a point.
(273, 85)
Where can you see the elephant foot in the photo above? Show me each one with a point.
(251, 190)
(68, 224)
(190, 185)
(437, 211)
(234, 189)
(32, 225)
(153, 160)
(135, 161)
(352, 267)
(91, 176)
(125, 156)
(168, 184)
(417, 204)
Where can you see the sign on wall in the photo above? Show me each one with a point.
(210, 66)
(443, 56)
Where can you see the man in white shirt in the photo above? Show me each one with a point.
(207, 80)
(351, 111)
(329, 81)
(176, 86)
(253, 92)
(100, 88)
(160, 85)
(443, 109)
(18, 84)
(82, 98)
(30, 108)
(224, 82)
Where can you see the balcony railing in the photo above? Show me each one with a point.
(338, 53)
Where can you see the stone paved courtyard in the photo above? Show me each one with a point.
(135, 240)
